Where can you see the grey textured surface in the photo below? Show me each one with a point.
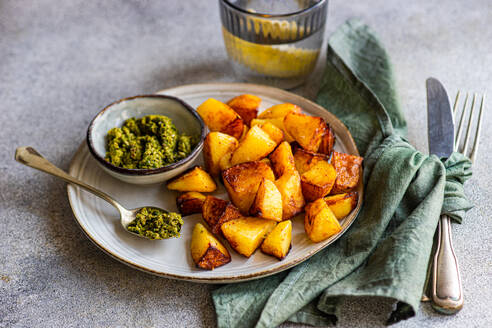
(61, 61)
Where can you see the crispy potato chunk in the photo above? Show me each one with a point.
(273, 132)
(305, 160)
(289, 185)
(327, 141)
(268, 202)
(278, 242)
(348, 169)
(319, 222)
(220, 117)
(242, 182)
(342, 204)
(190, 202)
(195, 179)
(245, 131)
(318, 181)
(246, 234)
(279, 111)
(225, 162)
(282, 159)
(277, 121)
(306, 130)
(207, 252)
(216, 211)
(246, 106)
(256, 145)
(216, 146)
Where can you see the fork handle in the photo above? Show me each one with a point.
(447, 292)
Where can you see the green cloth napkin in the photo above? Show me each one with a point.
(386, 251)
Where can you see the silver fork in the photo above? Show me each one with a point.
(446, 290)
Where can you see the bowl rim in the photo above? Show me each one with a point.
(141, 172)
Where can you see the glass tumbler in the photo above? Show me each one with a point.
(274, 42)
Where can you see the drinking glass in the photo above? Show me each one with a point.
(274, 42)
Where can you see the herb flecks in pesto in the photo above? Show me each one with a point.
(154, 223)
(149, 142)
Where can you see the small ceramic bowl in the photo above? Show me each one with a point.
(183, 116)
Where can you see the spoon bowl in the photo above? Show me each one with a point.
(30, 157)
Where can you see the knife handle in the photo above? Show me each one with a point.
(447, 292)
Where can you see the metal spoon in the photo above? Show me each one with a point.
(30, 157)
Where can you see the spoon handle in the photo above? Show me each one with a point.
(30, 157)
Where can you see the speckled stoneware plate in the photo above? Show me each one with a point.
(171, 258)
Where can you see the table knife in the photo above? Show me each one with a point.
(446, 289)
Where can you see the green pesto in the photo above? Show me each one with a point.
(149, 142)
(154, 223)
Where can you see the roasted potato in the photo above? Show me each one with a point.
(342, 204)
(245, 131)
(318, 181)
(349, 168)
(194, 179)
(305, 160)
(246, 106)
(216, 146)
(225, 162)
(289, 185)
(207, 252)
(220, 117)
(246, 234)
(256, 145)
(268, 202)
(190, 202)
(279, 111)
(278, 242)
(327, 141)
(242, 181)
(216, 211)
(282, 159)
(306, 130)
(273, 132)
(319, 222)
(277, 121)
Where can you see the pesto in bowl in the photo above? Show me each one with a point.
(149, 142)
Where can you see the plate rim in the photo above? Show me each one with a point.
(245, 276)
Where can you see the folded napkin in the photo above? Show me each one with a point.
(385, 252)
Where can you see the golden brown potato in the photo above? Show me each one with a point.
(245, 131)
(306, 130)
(277, 121)
(268, 202)
(289, 185)
(212, 210)
(256, 145)
(194, 179)
(319, 222)
(216, 146)
(305, 160)
(278, 242)
(207, 252)
(279, 111)
(246, 106)
(190, 202)
(242, 182)
(349, 168)
(327, 141)
(246, 234)
(318, 181)
(220, 117)
(273, 132)
(342, 204)
(282, 159)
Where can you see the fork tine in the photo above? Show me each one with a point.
(456, 100)
(468, 128)
(460, 127)
(477, 136)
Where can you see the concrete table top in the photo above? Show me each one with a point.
(61, 61)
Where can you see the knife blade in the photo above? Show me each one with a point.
(440, 125)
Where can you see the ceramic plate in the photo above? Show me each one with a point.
(171, 258)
